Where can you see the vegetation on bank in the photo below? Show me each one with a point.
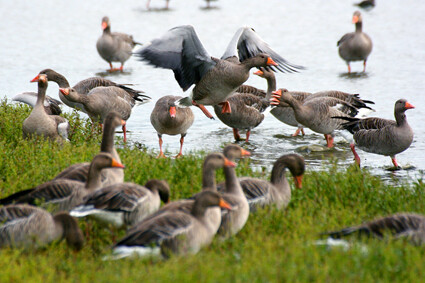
(273, 246)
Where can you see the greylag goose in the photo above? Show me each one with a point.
(39, 123)
(114, 46)
(285, 114)
(66, 194)
(215, 79)
(233, 221)
(355, 46)
(173, 232)
(381, 136)
(51, 105)
(110, 176)
(124, 204)
(168, 119)
(317, 113)
(261, 193)
(212, 162)
(100, 101)
(400, 225)
(28, 226)
(86, 85)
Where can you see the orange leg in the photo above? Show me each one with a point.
(364, 66)
(297, 132)
(181, 146)
(356, 156)
(202, 107)
(248, 133)
(124, 130)
(236, 134)
(161, 154)
(329, 140)
(225, 107)
(349, 68)
(395, 162)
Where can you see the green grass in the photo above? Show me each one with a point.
(273, 246)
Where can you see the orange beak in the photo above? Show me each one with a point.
(409, 106)
(277, 92)
(116, 164)
(173, 111)
(274, 100)
(228, 163)
(270, 62)
(35, 79)
(64, 91)
(298, 180)
(245, 152)
(259, 73)
(224, 204)
(104, 25)
(355, 19)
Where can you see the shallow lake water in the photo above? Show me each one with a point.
(62, 35)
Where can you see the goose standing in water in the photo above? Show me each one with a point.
(86, 85)
(39, 123)
(355, 46)
(168, 119)
(66, 194)
(173, 232)
(381, 136)
(277, 191)
(215, 79)
(114, 46)
(26, 226)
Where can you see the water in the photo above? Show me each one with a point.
(62, 35)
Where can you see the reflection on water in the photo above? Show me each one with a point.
(354, 75)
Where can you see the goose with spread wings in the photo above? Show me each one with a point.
(215, 79)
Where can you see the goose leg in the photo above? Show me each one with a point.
(356, 156)
(181, 146)
(112, 69)
(395, 162)
(302, 131)
(236, 134)
(202, 107)
(364, 66)
(329, 140)
(161, 153)
(297, 132)
(248, 133)
(225, 107)
(124, 130)
(349, 68)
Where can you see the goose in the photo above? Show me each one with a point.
(24, 226)
(124, 204)
(66, 194)
(114, 46)
(51, 105)
(168, 119)
(234, 220)
(80, 171)
(260, 193)
(215, 79)
(381, 136)
(317, 113)
(355, 46)
(39, 123)
(173, 232)
(212, 162)
(100, 101)
(400, 225)
(86, 85)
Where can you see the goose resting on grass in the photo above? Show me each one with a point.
(215, 79)
(381, 136)
(39, 123)
(168, 119)
(124, 204)
(27, 226)
(173, 232)
(114, 46)
(355, 46)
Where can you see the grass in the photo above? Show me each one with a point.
(273, 246)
